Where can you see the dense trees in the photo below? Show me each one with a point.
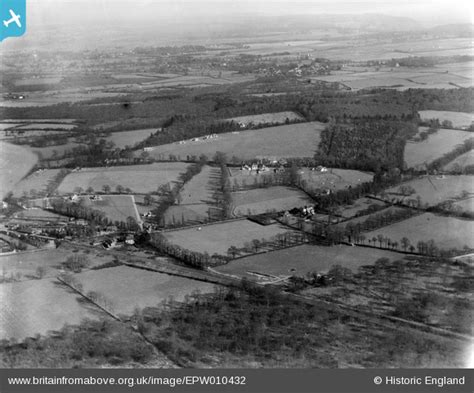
(365, 145)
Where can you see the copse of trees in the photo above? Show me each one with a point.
(364, 145)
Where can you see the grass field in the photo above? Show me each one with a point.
(305, 259)
(462, 161)
(6, 126)
(128, 288)
(466, 205)
(197, 197)
(459, 119)
(15, 162)
(39, 306)
(358, 205)
(335, 179)
(217, 238)
(48, 151)
(139, 178)
(438, 144)
(129, 138)
(261, 200)
(115, 207)
(435, 189)
(278, 117)
(25, 264)
(36, 181)
(47, 126)
(447, 232)
(294, 140)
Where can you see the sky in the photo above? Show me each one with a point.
(136, 10)
(101, 22)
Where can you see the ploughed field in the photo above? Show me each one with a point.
(293, 140)
(217, 238)
(304, 259)
(139, 178)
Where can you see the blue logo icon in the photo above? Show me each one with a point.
(12, 18)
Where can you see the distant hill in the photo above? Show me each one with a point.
(459, 30)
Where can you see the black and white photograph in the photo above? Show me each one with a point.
(237, 185)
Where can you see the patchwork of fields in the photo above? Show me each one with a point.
(294, 140)
(139, 178)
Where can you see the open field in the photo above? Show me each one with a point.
(129, 138)
(36, 181)
(127, 288)
(38, 306)
(293, 140)
(398, 78)
(115, 207)
(279, 117)
(304, 259)
(15, 162)
(261, 200)
(197, 197)
(6, 126)
(217, 238)
(139, 178)
(47, 126)
(49, 151)
(40, 214)
(40, 121)
(466, 205)
(459, 119)
(464, 160)
(357, 206)
(58, 97)
(23, 265)
(447, 232)
(437, 144)
(435, 189)
(335, 179)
